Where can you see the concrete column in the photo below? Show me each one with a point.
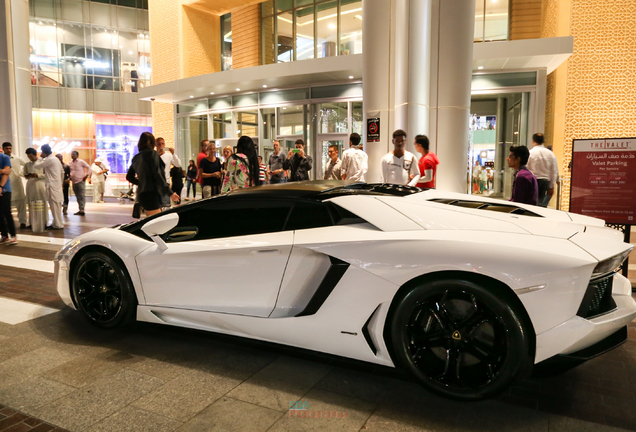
(452, 39)
(15, 75)
(377, 80)
(396, 72)
(419, 66)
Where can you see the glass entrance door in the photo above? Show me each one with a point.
(324, 141)
(497, 122)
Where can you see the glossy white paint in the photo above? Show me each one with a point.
(376, 213)
(253, 286)
(305, 270)
(161, 225)
(347, 309)
(239, 275)
(120, 243)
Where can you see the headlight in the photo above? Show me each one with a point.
(67, 247)
(610, 264)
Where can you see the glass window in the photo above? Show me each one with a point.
(491, 20)
(305, 33)
(192, 130)
(45, 55)
(247, 123)
(245, 100)
(221, 125)
(284, 95)
(220, 103)
(239, 217)
(306, 215)
(283, 5)
(327, 23)
(269, 123)
(285, 38)
(291, 120)
(350, 27)
(269, 45)
(226, 42)
(356, 117)
(332, 117)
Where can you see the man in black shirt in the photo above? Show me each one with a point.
(298, 162)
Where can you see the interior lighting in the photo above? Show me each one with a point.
(238, 89)
(350, 76)
(480, 67)
(264, 85)
(191, 96)
(211, 92)
(332, 26)
(284, 107)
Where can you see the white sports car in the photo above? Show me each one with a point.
(462, 291)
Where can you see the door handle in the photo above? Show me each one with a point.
(261, 251)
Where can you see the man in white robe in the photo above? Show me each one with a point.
(53, 176)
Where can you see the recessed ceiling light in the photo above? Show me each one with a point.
(480, 67)
(211, 92)
(238, 89)
(284, 107)
(191, 96)
(264, 85)
(350, 76)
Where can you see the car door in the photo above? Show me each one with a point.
(227, 255)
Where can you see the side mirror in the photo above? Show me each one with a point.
(158, 227)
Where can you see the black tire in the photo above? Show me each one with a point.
(459, 339)
(102, 290)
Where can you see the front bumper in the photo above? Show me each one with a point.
(578, 333)
(62, 280)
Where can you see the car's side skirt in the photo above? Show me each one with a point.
(336, 328)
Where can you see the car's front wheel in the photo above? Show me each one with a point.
(102, 290)
(460, 339)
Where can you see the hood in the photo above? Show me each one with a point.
(433, 215)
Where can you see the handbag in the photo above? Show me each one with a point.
(136, 213)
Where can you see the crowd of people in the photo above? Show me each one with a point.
(158, 176)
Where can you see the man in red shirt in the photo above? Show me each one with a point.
(428, 163)
(203, 153)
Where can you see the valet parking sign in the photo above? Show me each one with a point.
(604, 179)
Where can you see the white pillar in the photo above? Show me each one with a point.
(15, 75)
(377, 80)
(452, 38)
(419, 66)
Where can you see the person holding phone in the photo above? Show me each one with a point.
(298, 163)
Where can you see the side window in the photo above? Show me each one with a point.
(307, 214)
(230, 217)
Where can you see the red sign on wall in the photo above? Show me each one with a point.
(604, 179)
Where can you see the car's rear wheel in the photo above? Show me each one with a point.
(460, 339)
(102, 290)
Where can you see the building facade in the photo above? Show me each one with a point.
(311, 69)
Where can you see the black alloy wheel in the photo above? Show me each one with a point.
(459, 339)
(102, 290)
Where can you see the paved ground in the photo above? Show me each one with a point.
(57, 372)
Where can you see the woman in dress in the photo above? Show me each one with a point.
(35, 193)
(147, 171)
(242, 167)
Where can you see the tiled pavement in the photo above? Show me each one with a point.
(58, 371)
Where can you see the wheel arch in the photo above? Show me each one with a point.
(480, 279)
(101, 249)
